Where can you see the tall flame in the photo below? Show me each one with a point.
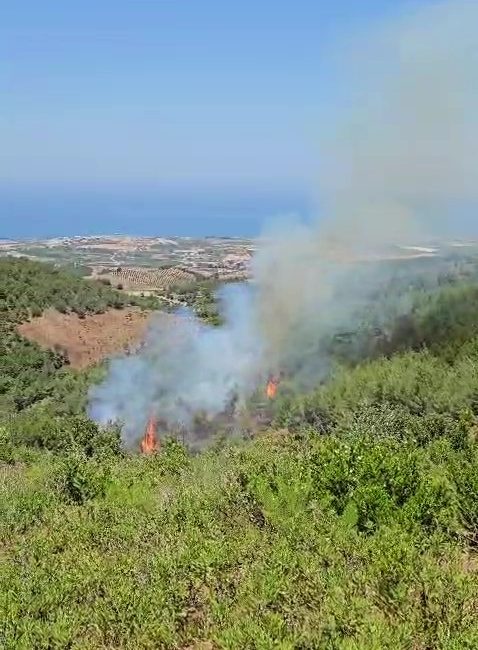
(150, 442)
(271, 388)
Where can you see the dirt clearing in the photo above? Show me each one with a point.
(88, 340)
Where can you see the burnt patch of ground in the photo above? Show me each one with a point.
(89, 339)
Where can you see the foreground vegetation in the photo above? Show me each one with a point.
(351, 524)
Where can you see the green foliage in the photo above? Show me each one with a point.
(43, 429)
(28, 373)
(416, 394)
(201, 298)
(80, 479)
(174, 458)
(351, 525)
(25, 284)
(323, 541)
(440, 319)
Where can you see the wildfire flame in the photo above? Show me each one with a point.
(150, 442)
(271, 388)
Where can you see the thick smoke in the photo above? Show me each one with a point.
(396, 157)
(184, 368)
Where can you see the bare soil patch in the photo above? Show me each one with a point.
(90, 339)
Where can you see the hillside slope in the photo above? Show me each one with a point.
(351, 524)
(28, 373)
(362, 538)
(88, 340)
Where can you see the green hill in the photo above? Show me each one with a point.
(35, 382)
(350, 524)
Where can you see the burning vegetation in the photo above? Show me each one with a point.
(150, 442)
(272, 386)
(251, 417)
(314, 279)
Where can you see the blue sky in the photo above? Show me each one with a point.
(165, 116)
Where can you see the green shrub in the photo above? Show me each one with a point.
(43, 429)
(354, 526)
(80, 479)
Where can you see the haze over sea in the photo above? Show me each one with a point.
(53, 212)
(171, 118)
(185, 118)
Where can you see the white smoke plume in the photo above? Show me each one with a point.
(396, 156)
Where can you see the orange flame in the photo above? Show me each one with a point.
(271, 388)
(150, 442)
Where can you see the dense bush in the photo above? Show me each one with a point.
(338, 541)
(201, 298)
(43, 429)
(412, 384)
(350, 525)
(357, 529)
(25, 285)
(80, 479)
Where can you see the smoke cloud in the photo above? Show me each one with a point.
(397, 154)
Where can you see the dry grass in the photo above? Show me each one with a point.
(90, 339)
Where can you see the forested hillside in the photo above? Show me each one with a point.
(31, 376)
(351, 523)
(27, 288)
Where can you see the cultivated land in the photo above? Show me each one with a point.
(136, 260)
(156, 263)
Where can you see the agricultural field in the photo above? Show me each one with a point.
(203, 258)
(152, 279)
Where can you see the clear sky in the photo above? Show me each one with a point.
(164, 116)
